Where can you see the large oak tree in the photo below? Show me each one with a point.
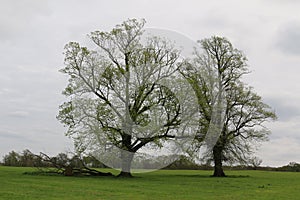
(117, 92)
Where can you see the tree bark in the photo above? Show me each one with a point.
(126, 163)
(125, 174)
(218, 169)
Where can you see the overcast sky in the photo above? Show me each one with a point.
(34, 32)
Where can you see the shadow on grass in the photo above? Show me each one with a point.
(210, 176)
(55, 174)
(135, 176)
(45, 173)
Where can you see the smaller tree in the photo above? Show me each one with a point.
(232, 114)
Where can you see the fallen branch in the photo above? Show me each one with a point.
(68, 168)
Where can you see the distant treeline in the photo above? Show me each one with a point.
(185, 163)
(27, 159)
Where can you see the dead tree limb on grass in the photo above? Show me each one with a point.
(69, 166)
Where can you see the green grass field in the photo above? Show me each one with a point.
(163, 184)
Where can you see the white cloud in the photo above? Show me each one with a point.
(279, 152)
(19, 114)
(288, 39)
(287, 109)
(17, 16)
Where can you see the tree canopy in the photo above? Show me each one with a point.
(232, 114)
(120, 99)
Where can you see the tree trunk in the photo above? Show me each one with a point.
(68, 171)
(125, 174)
(126, 163)
(218, 169)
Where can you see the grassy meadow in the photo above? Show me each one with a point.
(162, 184)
